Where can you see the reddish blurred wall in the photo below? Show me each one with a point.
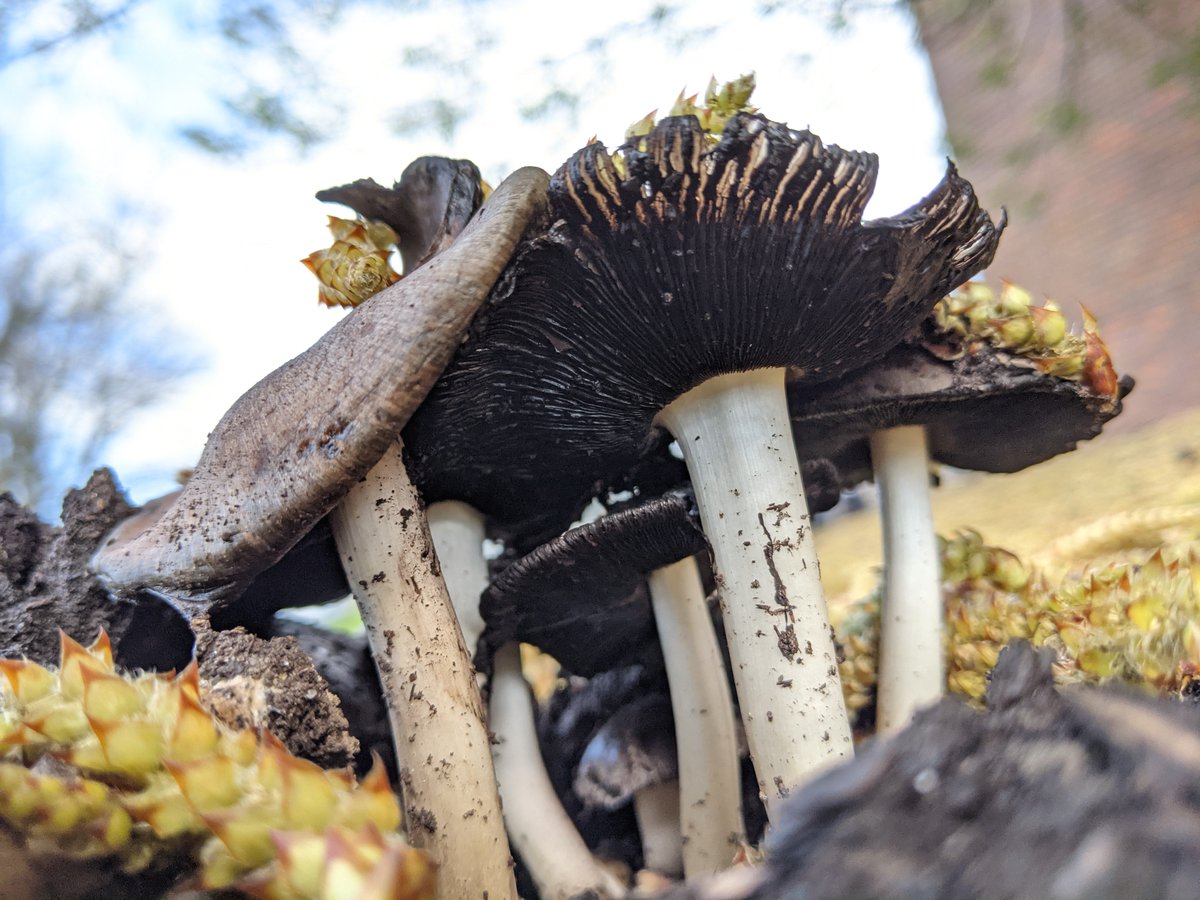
(1083, 119)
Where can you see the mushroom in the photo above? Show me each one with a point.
(321, 431)
(566, 721)
(678, 280)
(632, 759)
(309, 573)
(288, 449)
(571, 594)
(582, 596)
(990, 384)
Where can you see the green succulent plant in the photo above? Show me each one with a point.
(1137, 623)
(128, 768)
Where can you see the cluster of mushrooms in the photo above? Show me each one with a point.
(684, 329)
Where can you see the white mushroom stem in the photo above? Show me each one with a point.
(558, 860)
(452, 806)
(656, 808)
(458, 535)
(912, 668)
(542, 833)
(736, 438)
(710, 792)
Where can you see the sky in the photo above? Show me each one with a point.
(90, 135)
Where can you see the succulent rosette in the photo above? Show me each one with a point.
(130, 772)
(356, 265)
(1135, 623)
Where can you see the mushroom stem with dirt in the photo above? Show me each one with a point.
(541, 832)
(451, 803)
(991, 383)
(680, 276)
(735, 437)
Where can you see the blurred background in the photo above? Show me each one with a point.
(158, 160)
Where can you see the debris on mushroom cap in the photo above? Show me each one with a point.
(975, 315)
(581, 596)
(634, 749)
(998, 383)
(291, 446)
(720, 105)
(706, 259)
(420, 215)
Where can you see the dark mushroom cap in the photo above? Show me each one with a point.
(706, 259)
(987, 411)
(427, 207)
(581, 597)
(310, 573)
(634, 749)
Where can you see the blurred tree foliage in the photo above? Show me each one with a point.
(284, 94)
(77, 359)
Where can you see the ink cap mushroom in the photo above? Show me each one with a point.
(582, 598)
(989, 383)
(680, 276)
(290, 447)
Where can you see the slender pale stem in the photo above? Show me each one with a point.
(912, 668)
(458, 534)
(559, 861)
(552, 849)
(710, 791)
(656, 808)
(452, 806)
(736, 438)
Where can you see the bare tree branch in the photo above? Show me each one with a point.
(77, 359)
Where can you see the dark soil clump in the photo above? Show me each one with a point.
(251, 682)
(45, 584)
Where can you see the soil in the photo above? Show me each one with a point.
(249, 682)
(44, 582)
(45, 586)
(345, 663)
